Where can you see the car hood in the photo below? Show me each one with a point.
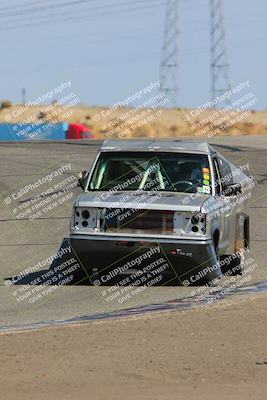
(144, 200)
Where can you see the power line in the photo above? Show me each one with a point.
(80, 17)
(98, 8)
(182, 51)
(66, 4)
(94, 40)
(44, 7)
(21, 6)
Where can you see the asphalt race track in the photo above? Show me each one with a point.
(29, 238)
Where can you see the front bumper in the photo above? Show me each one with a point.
(189, 261)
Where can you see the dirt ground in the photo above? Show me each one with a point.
(215, 352)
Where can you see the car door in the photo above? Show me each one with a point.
(224, 204)
(229, 203)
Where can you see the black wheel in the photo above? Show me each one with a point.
(232, 263)
(208, 280)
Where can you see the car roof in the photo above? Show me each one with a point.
(168, 145)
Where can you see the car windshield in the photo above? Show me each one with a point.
(148, 171)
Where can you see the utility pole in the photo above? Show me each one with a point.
(220, 82)
(169, 59)
(23, 96)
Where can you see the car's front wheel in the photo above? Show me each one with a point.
(232, 264)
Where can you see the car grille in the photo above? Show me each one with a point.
(136, 221)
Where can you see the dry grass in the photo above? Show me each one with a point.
(168, 122)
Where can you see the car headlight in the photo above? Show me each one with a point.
(84, 218)
(189, 223)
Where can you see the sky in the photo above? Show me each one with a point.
(110, 49)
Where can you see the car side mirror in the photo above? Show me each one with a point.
(232, 190)
(82, 176)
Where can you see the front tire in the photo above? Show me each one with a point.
(233, 266)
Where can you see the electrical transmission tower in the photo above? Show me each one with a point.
(169, 59)
(219, 67)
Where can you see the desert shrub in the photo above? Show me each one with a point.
(6, 104)
(173, 129)
(41, 115)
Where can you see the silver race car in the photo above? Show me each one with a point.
(149, 200)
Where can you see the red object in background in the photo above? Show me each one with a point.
(78, 131)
